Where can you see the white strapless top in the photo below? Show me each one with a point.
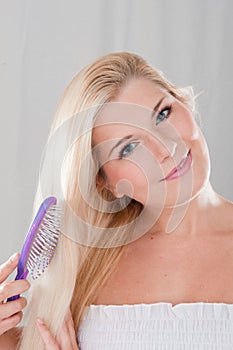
(158, 326)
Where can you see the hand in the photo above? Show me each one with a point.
(66, 339)
(11, 312)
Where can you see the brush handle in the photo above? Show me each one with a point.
(19, 276)
(22, 270)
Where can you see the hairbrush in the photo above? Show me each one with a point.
(40, 242)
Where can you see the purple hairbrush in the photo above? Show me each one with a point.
(41, 241)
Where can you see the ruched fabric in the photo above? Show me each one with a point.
(158, 326)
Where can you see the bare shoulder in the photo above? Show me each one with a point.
(10, 339)
(223, 218)
(228, 218)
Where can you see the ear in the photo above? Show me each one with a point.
(116, 193)
(100, 181)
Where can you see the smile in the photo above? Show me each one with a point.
(181, 168)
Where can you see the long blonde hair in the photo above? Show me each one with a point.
(78, 271)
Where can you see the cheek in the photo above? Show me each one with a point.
(126, 176)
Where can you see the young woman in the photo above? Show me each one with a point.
(146, 256)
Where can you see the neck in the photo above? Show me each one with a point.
(204, 213)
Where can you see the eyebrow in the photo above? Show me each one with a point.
(156, 107)
(119, 143)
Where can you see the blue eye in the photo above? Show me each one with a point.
(163, 114)
(128, 149)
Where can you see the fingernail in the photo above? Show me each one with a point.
(39, 321)
(14, 257)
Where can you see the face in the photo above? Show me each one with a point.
(143, 136)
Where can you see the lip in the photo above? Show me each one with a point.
(176, 172)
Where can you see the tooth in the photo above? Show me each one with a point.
(182, 163)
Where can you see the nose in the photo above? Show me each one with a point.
(162, 149)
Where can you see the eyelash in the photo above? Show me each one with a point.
(167, 108)
(120, 155)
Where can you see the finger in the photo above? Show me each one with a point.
(73, 337)
(10, 322)
(9, 289)
(69, 317)
(63, 336)
(72, 331)
(67, 335)
(12, 307)
(8, 267)
(49, 341)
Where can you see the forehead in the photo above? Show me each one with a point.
(141, 92)
(129, 112)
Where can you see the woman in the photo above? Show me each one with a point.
(147, 261)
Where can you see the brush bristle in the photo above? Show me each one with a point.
(45, 242)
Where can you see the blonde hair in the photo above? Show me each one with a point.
(78, 271)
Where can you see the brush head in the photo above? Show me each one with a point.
(41, 241)
(45, 241)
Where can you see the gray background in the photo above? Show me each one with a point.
(44, 43)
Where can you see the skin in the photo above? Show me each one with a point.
(194, 262)
(148, 163)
